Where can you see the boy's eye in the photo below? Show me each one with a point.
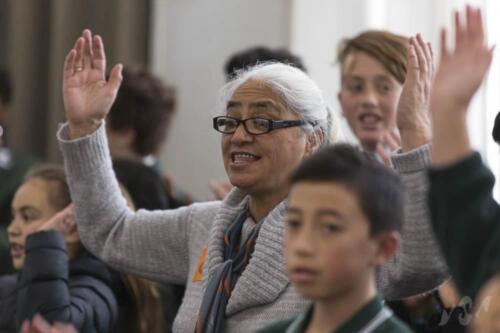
(354, 87)
(384, 87)
(292, 224)
(330, 227)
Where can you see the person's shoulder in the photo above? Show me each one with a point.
(277, 327)
(393, 325)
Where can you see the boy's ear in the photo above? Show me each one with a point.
(387, 245)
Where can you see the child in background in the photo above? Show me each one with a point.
(58, 278)
(464, 213)
(344, 216)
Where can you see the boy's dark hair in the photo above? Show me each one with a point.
(379, 190)
(5, 87)
(259, 54)
(145, 104)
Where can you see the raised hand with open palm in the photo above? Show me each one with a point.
(87, 95)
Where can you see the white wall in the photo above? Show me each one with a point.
(191, 41)
(193, 38)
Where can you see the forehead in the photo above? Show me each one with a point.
(253, 91)
(35, 193)
(316, 195)
(360, 64)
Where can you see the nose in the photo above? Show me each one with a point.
(12, 229)
(369, 97)
(303, 245)
(241, 135)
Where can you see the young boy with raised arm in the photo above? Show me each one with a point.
(344, 216)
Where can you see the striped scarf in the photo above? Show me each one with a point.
(212, 313)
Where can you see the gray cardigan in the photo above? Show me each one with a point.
(166, 245)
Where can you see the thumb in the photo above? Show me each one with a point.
(115, 78)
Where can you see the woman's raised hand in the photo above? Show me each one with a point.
(87, 95)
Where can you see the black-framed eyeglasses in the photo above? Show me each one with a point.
(255, 126)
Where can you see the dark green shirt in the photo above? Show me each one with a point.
(466, 221)
(374, 317)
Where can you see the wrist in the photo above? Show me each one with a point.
(414, 138)
(79, 130)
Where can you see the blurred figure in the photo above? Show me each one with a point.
(138, 123)
(259, 54)
(13, 166)
(384, 96)
(58, 278)
(464, 213)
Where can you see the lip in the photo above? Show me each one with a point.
(303, 275)
(372, 123)
(243, 158)
(16, 250)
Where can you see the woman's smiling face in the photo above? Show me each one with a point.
(261, 163)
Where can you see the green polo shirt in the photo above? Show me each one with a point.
(374, 317)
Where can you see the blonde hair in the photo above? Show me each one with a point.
(387, 48)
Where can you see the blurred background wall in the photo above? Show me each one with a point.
(186, 42)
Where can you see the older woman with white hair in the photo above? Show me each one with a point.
(229, 253)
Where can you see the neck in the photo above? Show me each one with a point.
(261, 204)
(331, 313)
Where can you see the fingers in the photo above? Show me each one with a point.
(384, 155)
(459, 32)
(443, 44)
(39, 325)
(99, 56)
(25, 327)
(87, 49)
(78, 63)
(69, 64)
(421, 56)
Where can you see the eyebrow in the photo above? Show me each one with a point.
(294, 210)
(27, 209)
(329, 212)
(258, 104)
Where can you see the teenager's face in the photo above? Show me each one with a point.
(328, 248)
(30, 209)
(368, 97)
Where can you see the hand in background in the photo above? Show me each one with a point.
(390, 143)
(64, 221)
(39, 325)
(220, 188)
(413, 118)
(87, 96)
(459, 75)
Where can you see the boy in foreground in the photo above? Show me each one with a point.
(344, 217)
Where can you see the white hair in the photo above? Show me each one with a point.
(299, 92)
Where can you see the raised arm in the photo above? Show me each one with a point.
(464, 214)
(151, 244)
(418, 265)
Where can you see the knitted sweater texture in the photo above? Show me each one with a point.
(166, 245)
